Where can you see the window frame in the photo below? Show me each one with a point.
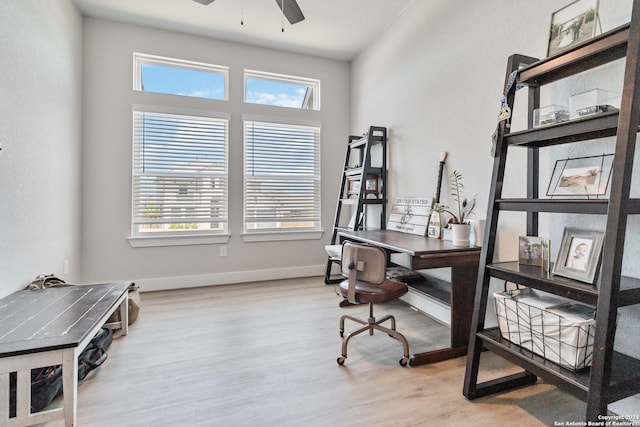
(284, 78)
(142, 58)
(291, 233)
(178, 237)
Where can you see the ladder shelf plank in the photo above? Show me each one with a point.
(592, 53)
(625, 370)
(576, 130)
(537, 278)
(577, 206)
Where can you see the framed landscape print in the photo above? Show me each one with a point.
(572, 24)
(581, 177)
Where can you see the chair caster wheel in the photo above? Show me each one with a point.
(404, 361)
(341, 360)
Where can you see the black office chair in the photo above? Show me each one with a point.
(365, 268)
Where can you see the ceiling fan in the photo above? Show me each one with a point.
(289, 8)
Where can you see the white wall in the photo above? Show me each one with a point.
(40, 118)
(108, 99)
(435, 79)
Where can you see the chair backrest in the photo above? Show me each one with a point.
(369, 262)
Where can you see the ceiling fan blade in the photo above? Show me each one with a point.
(291, 10)
(204, 2)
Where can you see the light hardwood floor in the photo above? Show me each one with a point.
(264, 354)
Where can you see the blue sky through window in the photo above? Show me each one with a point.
(266, 92)
(182, 81)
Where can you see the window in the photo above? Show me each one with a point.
(178, 77)
(281, 177)
(282, 91)
(179, 174)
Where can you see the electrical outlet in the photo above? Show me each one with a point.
(223, 251)
(65, 266)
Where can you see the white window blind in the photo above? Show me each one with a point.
(281, 177)
(179, 174)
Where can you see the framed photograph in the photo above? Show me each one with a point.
(572, 24)
(530, 250)
(579, 254)
(581, 177)
(353, 186)
(371, 186)
(534, 251)
(546, 255)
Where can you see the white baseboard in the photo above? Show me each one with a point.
(194, 281)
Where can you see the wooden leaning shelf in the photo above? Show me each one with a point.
(612, 375)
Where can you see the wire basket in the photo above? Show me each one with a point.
(557, 330)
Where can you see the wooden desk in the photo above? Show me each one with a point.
(428, 253)
(51, 327)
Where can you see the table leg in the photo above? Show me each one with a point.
(70, 385)
(463, 287)
(124, 314)
(463, 290)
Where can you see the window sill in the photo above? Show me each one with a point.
(198, 239)
(272, 236)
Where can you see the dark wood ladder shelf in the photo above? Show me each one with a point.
(612, 375)
(357, 172)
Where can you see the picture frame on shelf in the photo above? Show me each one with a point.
(579, 254)
(530, 251)
(353, 186)
(572, 24)
(583, 177)
(372, 186)
(546, 255)
(533, 251)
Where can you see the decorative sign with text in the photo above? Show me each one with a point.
(410, 215)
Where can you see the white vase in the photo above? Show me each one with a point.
(477, 226)
(461, 234)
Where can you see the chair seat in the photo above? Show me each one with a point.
(384, 292)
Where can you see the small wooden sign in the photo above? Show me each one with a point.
(435, 227)
(410, 215)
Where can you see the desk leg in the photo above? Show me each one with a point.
(463, 288)
(70, 385)
(463, 291)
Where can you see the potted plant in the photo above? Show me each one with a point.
(460, 212)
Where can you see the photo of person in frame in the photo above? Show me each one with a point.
(572, 24)
(579, 254)
(530, 250)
